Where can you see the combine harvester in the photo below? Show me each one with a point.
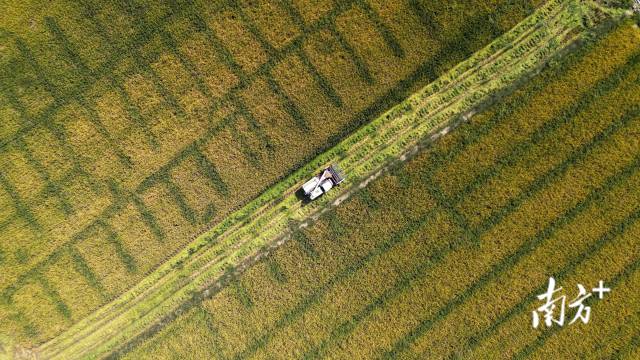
(323, 182)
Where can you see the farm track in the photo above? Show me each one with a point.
(238, 246)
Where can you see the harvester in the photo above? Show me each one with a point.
(323, 182)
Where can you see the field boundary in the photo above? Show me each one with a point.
(263, 224)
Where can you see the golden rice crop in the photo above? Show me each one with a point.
(130, 127)
(528, 274)
(616, 256)
(424, 262)
(607, 315)
(544, 106)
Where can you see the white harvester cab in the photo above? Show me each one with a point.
(323, 182)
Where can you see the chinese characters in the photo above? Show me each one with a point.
(553, 309)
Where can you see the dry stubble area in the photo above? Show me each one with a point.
(128, 128)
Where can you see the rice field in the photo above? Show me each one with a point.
(129, 127)
(208, 262)
(148, 148)
(443, 256)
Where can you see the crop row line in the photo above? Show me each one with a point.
(506, 263)
(317, 295)
(344, 329)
